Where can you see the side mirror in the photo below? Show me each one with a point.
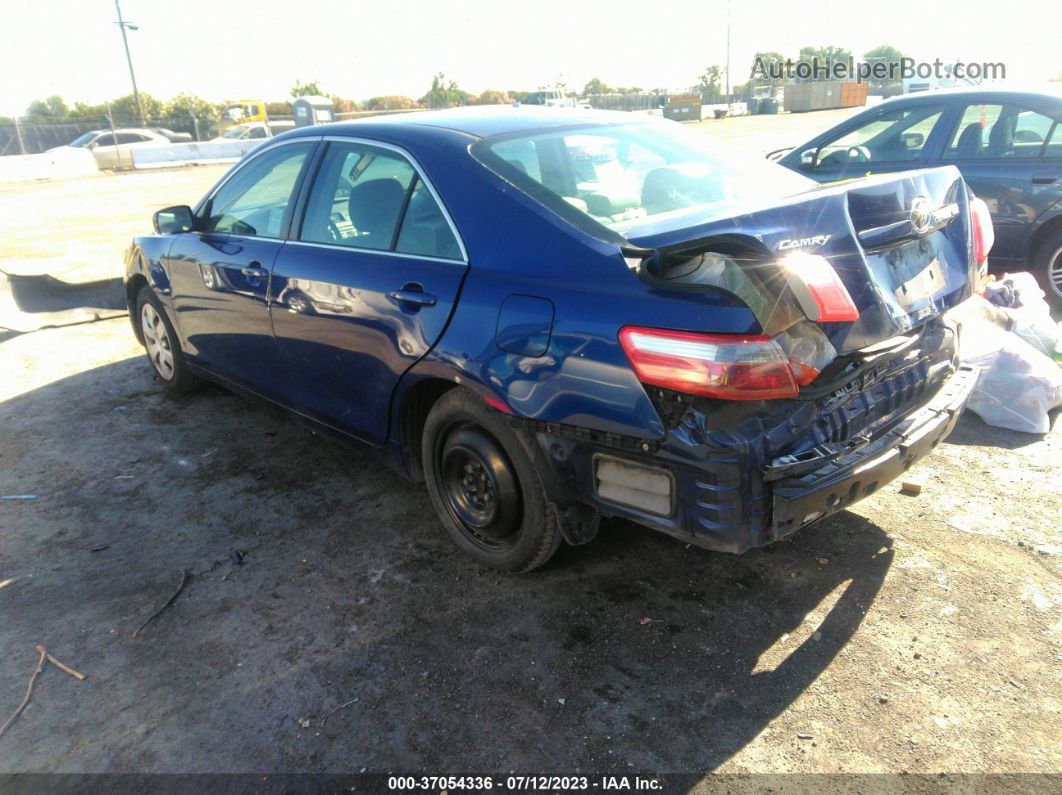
(807, 158)
(174, 220)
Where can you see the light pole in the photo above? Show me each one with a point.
(122, 25)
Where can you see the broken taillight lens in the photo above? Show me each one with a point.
(819, 290)
(731, 367)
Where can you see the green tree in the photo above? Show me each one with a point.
(311, 89)
(765, 59)
(394, 102)
(884, 53)
(597, 86)
(708, 82)
(125, 112)
(823, 54)
(85, 112)
(186, 105)
(493, 96)
(46, 110)
(443, 94)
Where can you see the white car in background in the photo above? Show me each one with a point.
(111, 148)
(255, 130)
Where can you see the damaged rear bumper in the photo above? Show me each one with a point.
(728, 497)
(800, 500)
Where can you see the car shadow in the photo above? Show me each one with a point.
(632, 652)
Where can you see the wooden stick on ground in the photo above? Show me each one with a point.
(29, 691)
(165, 604)
(341, 706)
(66, 669)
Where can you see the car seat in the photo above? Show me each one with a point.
(374, 207)
(971, 141)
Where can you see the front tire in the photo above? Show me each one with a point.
(161, 343)
(1047, 265)
(484, 487)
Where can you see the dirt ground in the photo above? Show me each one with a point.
(909, 634)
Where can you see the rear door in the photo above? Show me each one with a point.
(220, 272)
(1011, 156)
(366, 287)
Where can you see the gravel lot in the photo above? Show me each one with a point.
(917, 634)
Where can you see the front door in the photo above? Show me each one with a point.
(366, 288)
(220, 272)
(890, 140)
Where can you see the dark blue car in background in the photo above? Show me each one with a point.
(552, 316)
(1007, 144)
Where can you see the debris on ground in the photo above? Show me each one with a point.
(1014, 345)
(912, 487)
(45, 657)
(645, 621)
(167, 603)
(334, 711)
(19, 497)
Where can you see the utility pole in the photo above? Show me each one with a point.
(122, 25)
(728, 51)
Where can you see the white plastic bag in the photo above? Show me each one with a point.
(1018, 383)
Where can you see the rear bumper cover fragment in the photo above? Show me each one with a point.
(799, 501)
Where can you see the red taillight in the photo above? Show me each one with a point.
(731, 367)
(983, 233)
(818, 288)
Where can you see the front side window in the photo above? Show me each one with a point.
(372, 198)
(889, 137)
(254, 200)
(631, 176)
(105, 140)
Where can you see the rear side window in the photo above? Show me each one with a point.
(253, 201)
(652, 174)
(990, 131)
(372, 198)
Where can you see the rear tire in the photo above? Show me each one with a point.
(162, 345)
(1047, 266)
(484, 487)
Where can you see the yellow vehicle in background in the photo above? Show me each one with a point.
(243, 111)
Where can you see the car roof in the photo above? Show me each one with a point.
(483, 121)
(1012, 93)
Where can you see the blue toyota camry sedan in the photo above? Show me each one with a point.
(549, 316)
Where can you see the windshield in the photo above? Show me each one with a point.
(83, 140)
(235, 132)
(629, 177)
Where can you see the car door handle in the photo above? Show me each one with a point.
(254, 271)
(412, 297)
(1044, 179)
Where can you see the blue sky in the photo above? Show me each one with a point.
(222, 49)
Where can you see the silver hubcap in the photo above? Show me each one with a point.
(1054, 273)
(157, 341)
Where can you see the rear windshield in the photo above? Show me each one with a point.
(636, 178)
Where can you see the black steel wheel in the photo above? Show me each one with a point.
(484, 487)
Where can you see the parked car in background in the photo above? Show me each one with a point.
(254, 131)
(112, 148)
(550, 318)
(171, 136)
(1006, 143)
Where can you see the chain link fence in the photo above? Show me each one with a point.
(32, 138)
